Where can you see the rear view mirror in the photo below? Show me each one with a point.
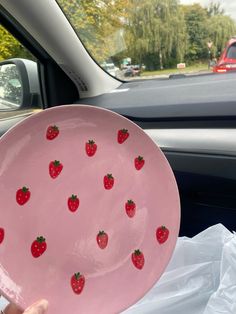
(19, 84)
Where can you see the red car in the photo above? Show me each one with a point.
(227, 61)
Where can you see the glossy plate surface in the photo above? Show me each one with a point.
(89, 211)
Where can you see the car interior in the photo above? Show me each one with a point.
(197, 139)
(195, 130)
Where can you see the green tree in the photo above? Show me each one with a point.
(204, 25)
(221, 29)
(157, 33)
(214, 8)
(99, 24)
(197, 24)
(10, 47)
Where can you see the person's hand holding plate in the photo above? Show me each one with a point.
(39, 307)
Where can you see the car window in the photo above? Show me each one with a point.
(231, 54)
(153, 38)
(15, 61)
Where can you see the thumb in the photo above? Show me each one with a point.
(39, 307)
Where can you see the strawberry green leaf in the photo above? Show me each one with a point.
(124, 131)
(40, 239)
(25, 189)
(56, 163)
(77, 276)
(73, 197)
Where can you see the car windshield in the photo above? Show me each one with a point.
(153, 37)
(231, 54)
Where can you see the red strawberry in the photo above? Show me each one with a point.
(2, 234)
(52, 132)
(108, 181)
(77, 283)
(22, 195)
(73, 203)
(90, 148)
(102, 239)
(162, 234)
(130, 208)
(55, 168)
(122, 135)
(138, 259)
(139, 162)
(38, 247)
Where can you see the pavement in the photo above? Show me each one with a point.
(162, 76)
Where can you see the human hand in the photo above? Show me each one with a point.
(39, 307)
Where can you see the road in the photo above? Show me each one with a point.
(194, 89)
(187, 90)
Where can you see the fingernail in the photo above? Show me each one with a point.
(39, 307)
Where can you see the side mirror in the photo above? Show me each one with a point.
(19, 84)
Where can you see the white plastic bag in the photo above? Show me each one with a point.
(200, 278)
(223, 301)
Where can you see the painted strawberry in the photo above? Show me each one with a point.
(2, 234)
(55, 168)
(77, 283)
(73, 203)
(138, 259)
(108, 181)
(162, 234)
(91, 148)
(139, 162)
(122, 135)
(38, 247)
(22, 195)
(130, 208)
(102, 239)
(52, 132)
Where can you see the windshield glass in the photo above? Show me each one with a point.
(151, 38)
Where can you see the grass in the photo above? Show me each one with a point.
(189, 69)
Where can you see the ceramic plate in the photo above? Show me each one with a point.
(89, 211)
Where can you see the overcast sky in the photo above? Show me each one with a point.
(228, 5)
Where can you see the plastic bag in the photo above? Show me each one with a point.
(200, 278)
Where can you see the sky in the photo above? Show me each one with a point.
(228, 5)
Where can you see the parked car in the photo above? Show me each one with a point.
(227, 60)
(132, 70)
(110, 68)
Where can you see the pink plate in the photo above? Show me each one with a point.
(90, 211)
